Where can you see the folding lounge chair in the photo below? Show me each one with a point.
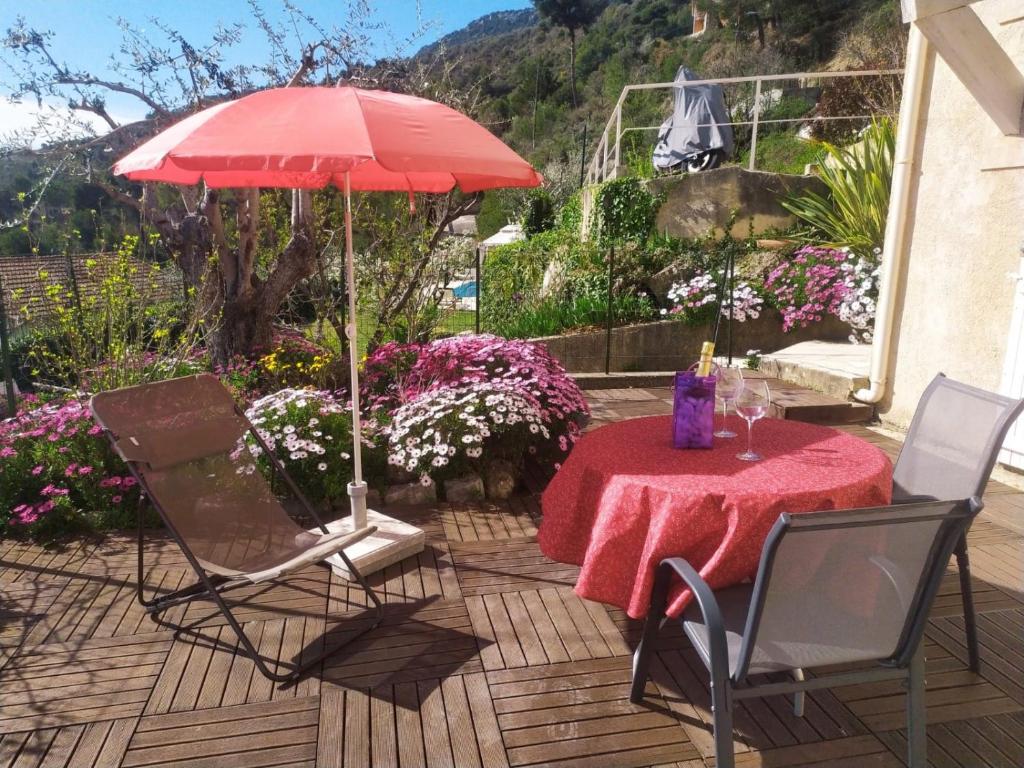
(832, 588)
(183, 440)
(952, 444)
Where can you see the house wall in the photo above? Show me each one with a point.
(967, 230)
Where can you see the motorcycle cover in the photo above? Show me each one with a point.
(699, 122)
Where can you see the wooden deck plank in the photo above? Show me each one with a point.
(486, 657)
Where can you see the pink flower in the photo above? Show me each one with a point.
(37, 470)
(84, 470)
(6, 452)
(116, 499)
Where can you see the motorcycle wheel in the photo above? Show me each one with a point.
(704, 161)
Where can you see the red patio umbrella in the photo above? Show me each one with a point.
(307, 138)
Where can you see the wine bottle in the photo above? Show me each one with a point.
(707, 351)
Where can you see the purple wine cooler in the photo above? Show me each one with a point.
(693, 410)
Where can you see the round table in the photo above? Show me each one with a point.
(625, 499)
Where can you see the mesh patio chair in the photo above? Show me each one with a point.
(184, 441)
(951, 447)
(832, 588)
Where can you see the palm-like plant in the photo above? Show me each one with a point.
(858, 178)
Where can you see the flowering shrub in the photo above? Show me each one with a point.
(820, 281)
(471, 398)
(58, 471)
(808, 286)
(294, 362)
(860, 283)
(243, 377)
(396, 373)
(438, 409)
(446, 431)
(695, 301)
(310, 432)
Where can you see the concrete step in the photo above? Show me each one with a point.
(830, 368)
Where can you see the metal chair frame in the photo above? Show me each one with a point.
(905, 664)
(963, 562)
(212, 586)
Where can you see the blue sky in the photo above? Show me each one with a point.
(85, 33)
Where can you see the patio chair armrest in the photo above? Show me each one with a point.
(718, 647)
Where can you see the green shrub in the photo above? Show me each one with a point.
(540, 213)
(554, 315)
(570, 217)
(115, 335)
(858, 180)
(624, 210)
(782, 153)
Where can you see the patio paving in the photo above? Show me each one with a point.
(486, 658)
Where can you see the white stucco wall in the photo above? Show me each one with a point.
(966, 234)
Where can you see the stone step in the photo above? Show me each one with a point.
(832, 368)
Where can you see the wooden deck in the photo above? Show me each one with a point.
(486, 658)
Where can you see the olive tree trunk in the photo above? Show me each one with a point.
(235, 307)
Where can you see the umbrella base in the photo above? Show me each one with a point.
(393, 541)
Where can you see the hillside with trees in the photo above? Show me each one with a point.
(531, 104)
(543, 79)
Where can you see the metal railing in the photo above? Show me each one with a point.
(609, 147)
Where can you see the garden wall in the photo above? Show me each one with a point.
(698, 202)
(670, 345)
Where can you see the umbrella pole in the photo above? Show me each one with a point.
(357, 488)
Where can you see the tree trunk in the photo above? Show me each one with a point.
(236, 309)
(248, 305)
(244, 327)
(572, 65)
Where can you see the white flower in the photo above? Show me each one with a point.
(322, 466)
(288, 429)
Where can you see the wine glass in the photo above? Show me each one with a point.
(752, 404)
(728, 386)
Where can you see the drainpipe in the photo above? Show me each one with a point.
(895, 247)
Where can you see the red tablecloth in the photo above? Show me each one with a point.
(625, 499)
